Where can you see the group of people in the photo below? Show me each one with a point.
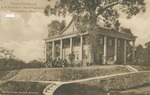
(57, 62)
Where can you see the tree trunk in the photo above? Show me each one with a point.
(94, 41)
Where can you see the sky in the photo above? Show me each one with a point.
(24, 32)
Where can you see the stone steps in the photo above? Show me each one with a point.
(51, 88)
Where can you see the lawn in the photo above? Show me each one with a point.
(22, 88)
(138, 91)
(5, 75)
(126, 82)
(67, 74)
(90, 90)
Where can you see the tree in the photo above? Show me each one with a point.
(139, 54)
(92, 11)
(147, 45)
(6, 53)
(147, 53)
(55, 27)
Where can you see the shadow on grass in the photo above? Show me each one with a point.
(83, 89)
(79, 89)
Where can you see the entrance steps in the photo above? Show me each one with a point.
(51, 88)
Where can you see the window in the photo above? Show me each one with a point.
(57, 50)
(66, 43)
(85, 40)
(101, 40)
(76, 41)
(110, 42)
(119, 43)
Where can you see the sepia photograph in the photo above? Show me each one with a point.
(74, 47)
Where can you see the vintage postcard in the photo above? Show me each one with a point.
(74, 47)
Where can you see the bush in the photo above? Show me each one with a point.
(57, 63)
(11, 64)
(35, 64)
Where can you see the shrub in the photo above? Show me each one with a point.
(35, 64)
(71, 57)
(11, 64)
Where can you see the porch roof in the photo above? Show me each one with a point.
(72, 31)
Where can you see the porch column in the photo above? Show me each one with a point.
(61, 49)
(115, 50)
(45, 51)
(125, 51)
(105, 47)
(53, 49)
(133, 52)
(70, 45)
(81, 49)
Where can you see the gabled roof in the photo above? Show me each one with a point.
(71, 28)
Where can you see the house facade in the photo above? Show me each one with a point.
(114, 46)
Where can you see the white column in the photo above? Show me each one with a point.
(53, 49)
(125, 51)
(105, 49)
(61, 49)
(81, 49)
(133, 51)
(115, 50)
(45, 51)
(70, 45)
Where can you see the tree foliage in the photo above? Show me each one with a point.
(142, 55)
(90, 12)
(93, 10)
(6, 53)
(55, 27)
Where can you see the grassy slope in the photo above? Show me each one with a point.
(138, 91)
(130, 84)
(27, 87)
(66, 74)
(5, 75)
(92, 90)
(121, 82)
